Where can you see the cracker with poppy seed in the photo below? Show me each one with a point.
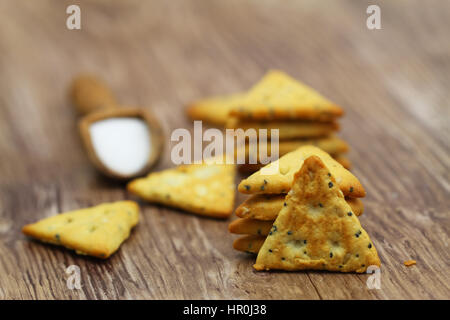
(278, 96)
(249, 244)
(206, 189)
(330, 144)
(250, 227)
(277, 176)
(249, 168)
(257, 219)
(97, 231)
(286, 129)
(316, 230)
(214, 110)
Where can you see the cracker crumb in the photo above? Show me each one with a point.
(409, 263)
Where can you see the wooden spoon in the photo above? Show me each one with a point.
(95, 102)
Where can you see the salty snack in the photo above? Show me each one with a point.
(278, 96)
(204, 189)
(287, 129)
(214, 110)
(97, 231)
(330, 144)
(267, 206)
(317, 228)
(248, 168)
(249, 244)
(250, 227)
(289, 164)
(409, 263)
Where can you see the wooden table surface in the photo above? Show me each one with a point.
(393, 84)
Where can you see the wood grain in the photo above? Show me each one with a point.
(393, 84)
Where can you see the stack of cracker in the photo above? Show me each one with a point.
(301, 115)
(304, 216)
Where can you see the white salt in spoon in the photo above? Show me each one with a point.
(122, 143)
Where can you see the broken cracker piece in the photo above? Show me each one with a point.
(409, 263)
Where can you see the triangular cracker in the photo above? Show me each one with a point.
(97, 231)
(279, 96)
(214, 110)
(289, 164)
(316, 229)
(205, 189)
(267, 206)
(249, 244)
(286, 129)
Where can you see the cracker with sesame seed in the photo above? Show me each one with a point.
(258, 218)
(249, 168)
(214, 110)
(97, 231)
(330, 144)
(316, 230)
(250, 227)
(205, 189)
(292, 129)
(279, 180)
(249, 244)
(278, 96)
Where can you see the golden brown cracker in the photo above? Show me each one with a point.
(249, 168)
(316, 229)
(279, 96)
(332, 145)
(250, 227)
(281, 181)
(286, 129)
(249, 244)
(214, 110)
(97, 231)
(267, 206)
(205, 189)
(409, 263)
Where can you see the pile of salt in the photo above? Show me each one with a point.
(123, 145)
